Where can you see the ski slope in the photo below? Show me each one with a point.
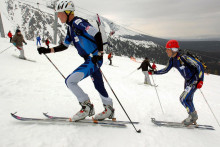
(31, 88)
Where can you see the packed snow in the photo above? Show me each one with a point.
(30, 88)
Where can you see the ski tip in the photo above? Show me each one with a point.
(13, 113)
(15, 116)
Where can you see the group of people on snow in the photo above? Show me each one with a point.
(18, 39)
(47, 42)
(144, 66)
(92, 53)
(190, 69)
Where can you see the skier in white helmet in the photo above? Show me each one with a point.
(88, 42)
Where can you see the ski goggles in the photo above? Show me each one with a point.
(69, 12)
(174, 49)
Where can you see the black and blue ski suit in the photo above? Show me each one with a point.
(192, 71)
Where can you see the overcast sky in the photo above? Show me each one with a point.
(171, 19)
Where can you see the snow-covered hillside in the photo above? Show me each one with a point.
(36, 20)
(31, 88)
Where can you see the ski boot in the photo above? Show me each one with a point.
(107, 113)
(191, 119)
(87, 110)
(22, 57)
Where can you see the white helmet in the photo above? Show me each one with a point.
(64, 5)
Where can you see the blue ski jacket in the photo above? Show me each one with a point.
(188, 67)
(38, 38)
(81, 33)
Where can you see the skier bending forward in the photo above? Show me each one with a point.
(193, 73)
(88, 42)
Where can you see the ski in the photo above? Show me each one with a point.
(180, 125)
(177, 123)
(85, 120)
(67, 121)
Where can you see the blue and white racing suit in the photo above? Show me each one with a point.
(192, 71)
(78, 28)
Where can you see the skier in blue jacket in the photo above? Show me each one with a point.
(88, 42)
(38, 40)
(193, 73)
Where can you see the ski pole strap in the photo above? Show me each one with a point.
(80, 33)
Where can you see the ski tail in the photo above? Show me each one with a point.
(102, 31)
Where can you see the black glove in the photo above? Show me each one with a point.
(43, 50)
(96, 58)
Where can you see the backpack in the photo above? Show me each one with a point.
(80, 33)
(97, 24)
(195, 57)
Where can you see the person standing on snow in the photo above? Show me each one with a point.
(10, 35)
(88, 42)
(154, 66)
(110, 58)
(144, 66)
(193, 73)
(18, 41)
(47, 42)
(38, 40)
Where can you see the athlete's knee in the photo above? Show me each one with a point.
(182, 97)
(74, 78)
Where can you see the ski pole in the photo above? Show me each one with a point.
(6, 49)
(157, 94)
(209, 107)
(138, 131)
(131, 73)
(54, 66)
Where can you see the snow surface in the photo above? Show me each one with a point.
(31, 88)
